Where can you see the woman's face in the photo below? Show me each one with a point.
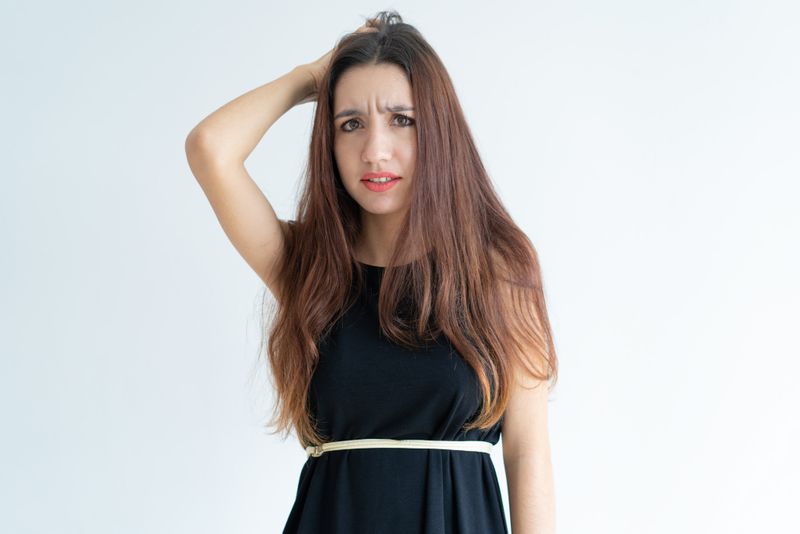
(375, 131)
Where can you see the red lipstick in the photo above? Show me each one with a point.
(379, 187)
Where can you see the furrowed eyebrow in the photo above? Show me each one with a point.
(352, 112)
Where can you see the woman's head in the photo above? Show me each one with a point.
(374, 131)
(371, 75)
(479, 284)
(392, 65)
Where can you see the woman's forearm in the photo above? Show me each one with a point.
(232, 132)
(531, 494)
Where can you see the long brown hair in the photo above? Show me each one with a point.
(489, 300)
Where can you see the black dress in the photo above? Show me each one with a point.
(365, 386)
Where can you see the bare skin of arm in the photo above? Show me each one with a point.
(527, 460)
(216, 150)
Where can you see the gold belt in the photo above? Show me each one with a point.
(380, 443)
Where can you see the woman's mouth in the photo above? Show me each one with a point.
(380, 186)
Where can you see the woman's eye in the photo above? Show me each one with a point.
(407, 118)
(407, 121)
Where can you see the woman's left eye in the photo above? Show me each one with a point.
(406, 117)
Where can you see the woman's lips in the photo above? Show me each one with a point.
(380, 187)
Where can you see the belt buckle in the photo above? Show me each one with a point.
(317, 450)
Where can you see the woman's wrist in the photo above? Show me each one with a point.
(306, 85)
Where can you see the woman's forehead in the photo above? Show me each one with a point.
(381, 86)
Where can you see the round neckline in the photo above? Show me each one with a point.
(381, 267)
(369, 266)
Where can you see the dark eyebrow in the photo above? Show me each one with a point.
(351, 112)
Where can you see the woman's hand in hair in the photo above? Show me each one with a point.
(316, 69)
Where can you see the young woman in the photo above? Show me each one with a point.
(411, 328)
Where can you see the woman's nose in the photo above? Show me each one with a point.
(377, 147)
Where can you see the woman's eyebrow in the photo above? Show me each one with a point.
(351, 112)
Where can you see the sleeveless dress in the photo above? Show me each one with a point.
(365, 386)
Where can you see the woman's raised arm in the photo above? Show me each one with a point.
(216, 150)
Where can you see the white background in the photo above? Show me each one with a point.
(649, 150)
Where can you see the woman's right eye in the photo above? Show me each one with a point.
(345, 123)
